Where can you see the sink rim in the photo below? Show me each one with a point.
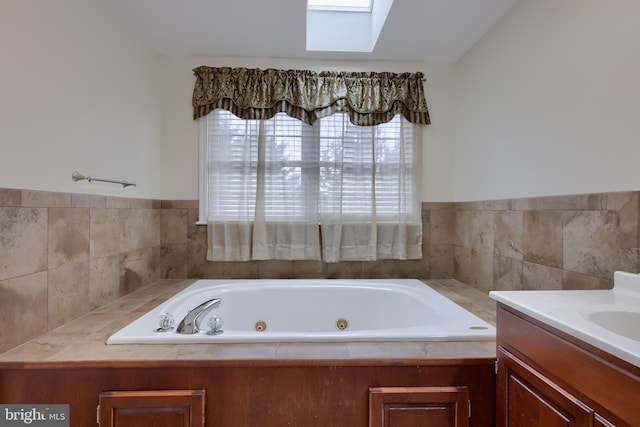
(623, 322)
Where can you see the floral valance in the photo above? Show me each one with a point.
(369, 98)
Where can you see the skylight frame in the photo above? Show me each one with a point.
(365, 6)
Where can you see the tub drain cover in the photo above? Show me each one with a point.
(342, 324)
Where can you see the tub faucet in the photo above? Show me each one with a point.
(191, 322)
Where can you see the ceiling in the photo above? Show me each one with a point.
(415, 30)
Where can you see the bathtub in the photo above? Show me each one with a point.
(311, 311)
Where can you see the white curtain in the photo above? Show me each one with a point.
(282, 189)
(261, 189)
(373, 212)
(286, 212)
(229, 241)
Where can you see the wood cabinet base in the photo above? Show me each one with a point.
(250, 393)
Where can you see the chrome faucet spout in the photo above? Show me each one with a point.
(191, 322)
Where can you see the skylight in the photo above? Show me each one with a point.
(350, 32)
(341, 5)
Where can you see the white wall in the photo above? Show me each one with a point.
(546, 103)
(549, 102)
(180, 131)
(78, 91)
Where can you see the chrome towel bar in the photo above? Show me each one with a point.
(79, 177)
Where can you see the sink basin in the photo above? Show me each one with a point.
(625, 323)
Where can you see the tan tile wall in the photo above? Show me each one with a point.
(562, 242)
(63, 255)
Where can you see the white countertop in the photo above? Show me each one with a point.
(569, 311)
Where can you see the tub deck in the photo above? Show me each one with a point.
(83, 340)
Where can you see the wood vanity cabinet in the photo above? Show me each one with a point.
(549, 378)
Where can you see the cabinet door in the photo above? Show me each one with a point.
(165, 408)
(599, 421)
(419, 407)
(528, 399)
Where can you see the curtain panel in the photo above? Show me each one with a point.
(282, 189)
(369, 98)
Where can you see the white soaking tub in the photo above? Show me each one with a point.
(310, 311)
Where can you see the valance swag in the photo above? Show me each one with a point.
(368, 98)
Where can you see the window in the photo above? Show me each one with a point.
(310, 185)
(323, 171)
(350, 5)
(283, 189)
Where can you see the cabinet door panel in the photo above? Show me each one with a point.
(531, 400)
(166, 408)
(599, 421)
(419, 407)
(529, 408)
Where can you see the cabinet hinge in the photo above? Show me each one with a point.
(98, 414)
(469, 408)
(495, 366)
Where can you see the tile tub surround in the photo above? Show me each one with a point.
(84, 339)
(559, 242)
(63, 255)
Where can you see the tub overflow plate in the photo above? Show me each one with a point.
(260, 326)
(342, 324)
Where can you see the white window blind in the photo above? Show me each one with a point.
(285, 171)
(351, 170)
